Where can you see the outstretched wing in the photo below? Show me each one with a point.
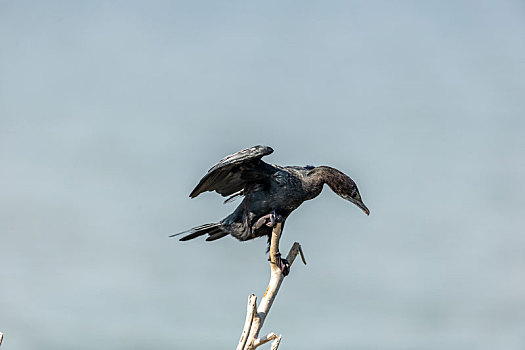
(236, 172)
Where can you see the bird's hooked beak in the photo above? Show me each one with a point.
(360, 204)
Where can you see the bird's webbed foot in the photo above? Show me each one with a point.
(283, 264)
(269, 220)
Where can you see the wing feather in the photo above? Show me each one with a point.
(235, 172)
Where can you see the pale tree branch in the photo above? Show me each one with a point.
(1, 337)
(250, 312)
(254, 320)
(276, 342)
(267, 338)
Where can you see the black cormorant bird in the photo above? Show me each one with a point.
(271, 192)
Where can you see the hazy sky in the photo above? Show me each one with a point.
(111, 111)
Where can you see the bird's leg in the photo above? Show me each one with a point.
(269, 220)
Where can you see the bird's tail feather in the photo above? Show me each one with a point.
(215, 231)
(216, 235)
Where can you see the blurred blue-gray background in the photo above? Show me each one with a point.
(111, 111)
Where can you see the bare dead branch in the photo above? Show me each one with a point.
(255, 320)
(276, 342)
(269, 337)
(296, 248)
(250, 311)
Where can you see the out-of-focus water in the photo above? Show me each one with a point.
(111, 112)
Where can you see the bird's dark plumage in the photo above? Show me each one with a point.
(232, 173)
(267, 189)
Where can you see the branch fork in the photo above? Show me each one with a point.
(255, 316)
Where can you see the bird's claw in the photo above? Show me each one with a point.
(269, 220)
(283, 264)
(274, 218)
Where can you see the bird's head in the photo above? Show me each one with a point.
(353, 196)
(345, 187)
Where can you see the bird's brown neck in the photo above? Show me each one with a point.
(321, 175)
